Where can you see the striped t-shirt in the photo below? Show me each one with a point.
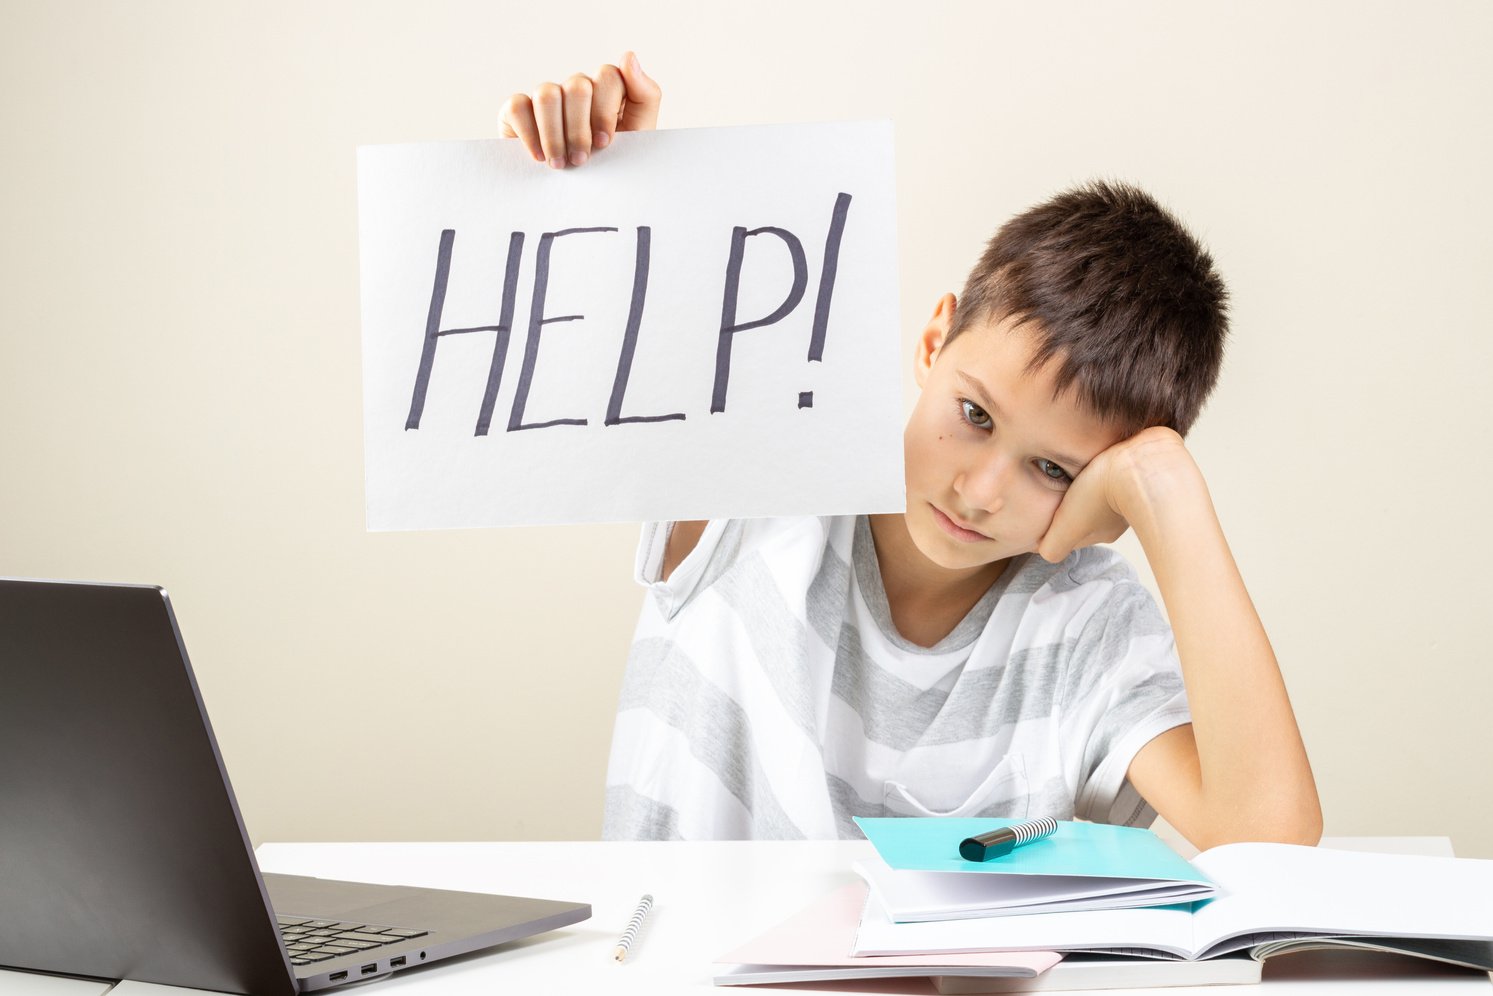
(768, 694)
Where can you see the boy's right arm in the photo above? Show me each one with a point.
(562, 124)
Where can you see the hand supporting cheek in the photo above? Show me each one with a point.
(1107, 495)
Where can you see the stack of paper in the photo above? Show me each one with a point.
(919, 875)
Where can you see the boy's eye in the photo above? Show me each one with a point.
(974, 414)
(1053, 472)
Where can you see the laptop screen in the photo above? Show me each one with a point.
(122, 851)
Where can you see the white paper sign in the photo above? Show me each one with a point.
(696, 324)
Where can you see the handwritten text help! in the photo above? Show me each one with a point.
(731, 324)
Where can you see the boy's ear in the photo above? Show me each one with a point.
(931, 339)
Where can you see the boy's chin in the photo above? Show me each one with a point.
(943, 552)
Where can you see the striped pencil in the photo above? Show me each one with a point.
(633, 926)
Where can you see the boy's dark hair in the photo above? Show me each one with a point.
(1118, 293)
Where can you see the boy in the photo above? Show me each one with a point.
(790, 674)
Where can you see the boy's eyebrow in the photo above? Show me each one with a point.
(987, 402)
(984, 395)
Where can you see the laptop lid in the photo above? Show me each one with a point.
(122, 850)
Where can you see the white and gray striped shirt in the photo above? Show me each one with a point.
(768, 694)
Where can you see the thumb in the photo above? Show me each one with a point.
(640, 112)
(1058, 541)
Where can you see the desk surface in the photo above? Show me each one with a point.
(709, 897)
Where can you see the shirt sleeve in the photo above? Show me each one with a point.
(1122, 688)
(710, 558)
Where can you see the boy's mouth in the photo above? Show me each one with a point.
(955, 528)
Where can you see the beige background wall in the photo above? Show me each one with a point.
(179, 365)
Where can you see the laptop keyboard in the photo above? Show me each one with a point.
(310, 941)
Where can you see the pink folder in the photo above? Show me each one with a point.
(823, 934)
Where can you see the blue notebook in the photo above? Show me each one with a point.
(918, 874)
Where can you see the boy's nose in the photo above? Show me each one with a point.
(984, 485)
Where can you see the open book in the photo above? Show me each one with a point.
(918, 873)
(1274, 898)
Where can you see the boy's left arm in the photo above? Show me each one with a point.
(1239, 771)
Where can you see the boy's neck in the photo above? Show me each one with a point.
(926, 601)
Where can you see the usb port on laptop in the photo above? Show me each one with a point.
(370, 969)
(396, 962)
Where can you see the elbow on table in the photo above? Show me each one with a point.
(1298, 823)
(1306, 831)
(1301, 825)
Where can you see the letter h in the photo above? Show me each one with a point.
(433, 331)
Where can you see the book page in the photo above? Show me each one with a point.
(1285, 889)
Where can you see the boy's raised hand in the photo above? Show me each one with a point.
(563, 123)
(1105, 497)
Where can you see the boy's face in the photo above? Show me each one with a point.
(989, 451)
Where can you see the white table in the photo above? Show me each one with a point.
(709, 897)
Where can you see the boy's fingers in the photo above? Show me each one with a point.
(577, 114)
(1052, 549)
(549, 110)
(563, 124)
(643, 96)
(1064, 536)
(517, 120)
(607, 93)
(1059, 540)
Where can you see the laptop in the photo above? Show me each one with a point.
(123, 854)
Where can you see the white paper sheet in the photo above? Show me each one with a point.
(615, 389)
